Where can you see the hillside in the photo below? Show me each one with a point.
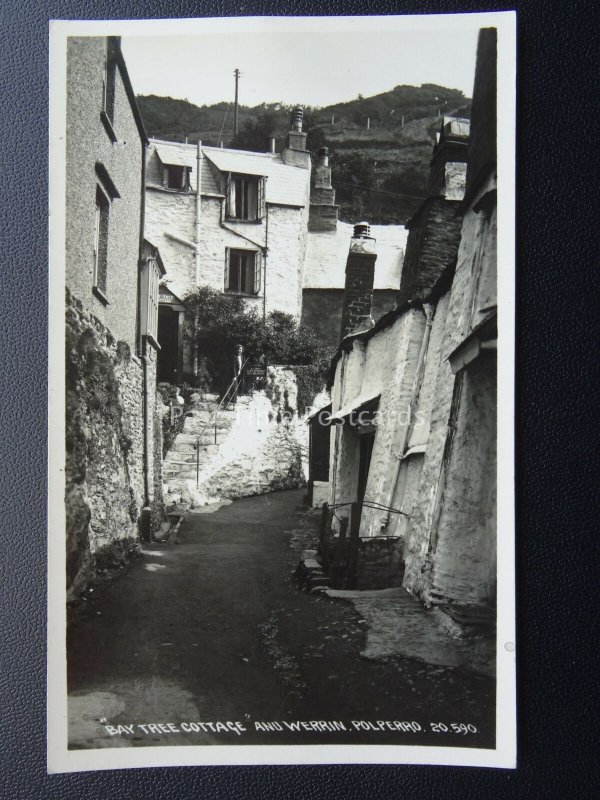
(380, 146)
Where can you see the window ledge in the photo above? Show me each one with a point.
(108, 126)
(100, 295)
(245, 221)
(232, 293)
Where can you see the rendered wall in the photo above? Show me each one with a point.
(384, 365)
(87, 142)
(450, 550)
(175, 212)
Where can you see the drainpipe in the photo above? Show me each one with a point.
(416, 388)
(198, 210)
(146, 514)
(197, 243)
(338, 429)
(265, 251)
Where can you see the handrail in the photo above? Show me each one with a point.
(234, 383)
(371, 504)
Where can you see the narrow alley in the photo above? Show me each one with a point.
(210, 627)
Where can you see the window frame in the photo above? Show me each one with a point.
(236, 194)
(254, 266)
(100, 251)
(109, 78)
(186, 176)
(149, 300)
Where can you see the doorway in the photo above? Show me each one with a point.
(168, 339)
(366, 441)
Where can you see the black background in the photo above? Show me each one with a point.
(557, 363)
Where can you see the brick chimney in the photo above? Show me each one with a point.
(295, 153)
(360, 273)
(323, 215)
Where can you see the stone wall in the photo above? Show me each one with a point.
(265, 450)
(384, 365)
(451, 537)
(432, 244)
(175, 212)
(104, 446)
(379, 563)
(322, 310)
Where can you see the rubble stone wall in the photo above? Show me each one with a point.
(104, 444)
(379, 563)
(432, 244)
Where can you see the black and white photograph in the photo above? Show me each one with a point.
(282, 292)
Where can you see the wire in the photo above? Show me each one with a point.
(378, 191)
(224, 121)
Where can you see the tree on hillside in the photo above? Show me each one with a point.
(256, 132)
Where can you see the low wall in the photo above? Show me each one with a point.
(265, 450)
(379, 564)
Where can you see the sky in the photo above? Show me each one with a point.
(309, 67)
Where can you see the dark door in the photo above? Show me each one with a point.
(168, 339)
(319, 450)
(366, 441)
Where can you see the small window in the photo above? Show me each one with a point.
(243, 272)
(245, 197)
(101, 245)
(177, 177)
(107, 112)
(149, 299)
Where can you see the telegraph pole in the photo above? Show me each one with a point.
(236, 74)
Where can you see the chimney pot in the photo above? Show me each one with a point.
(297, 119)
(271, 145)
(362, 230)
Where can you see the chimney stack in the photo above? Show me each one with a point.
(448, 167)
(295, 153)
(360, 274)
(323, 214)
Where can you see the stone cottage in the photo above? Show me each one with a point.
(241, 228)
(413, 440)
(263, 226)
(112, 277)
(324, 270)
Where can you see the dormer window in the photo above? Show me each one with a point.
(245, 197)
(177, 177)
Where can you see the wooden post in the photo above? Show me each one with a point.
(354, 543)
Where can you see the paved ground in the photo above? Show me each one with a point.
(213, 630)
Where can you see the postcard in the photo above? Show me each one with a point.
(281, 484)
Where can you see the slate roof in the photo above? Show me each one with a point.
(286, 185)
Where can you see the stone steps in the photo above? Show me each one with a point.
(179, 464)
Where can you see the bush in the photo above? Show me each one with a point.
(217, 322)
